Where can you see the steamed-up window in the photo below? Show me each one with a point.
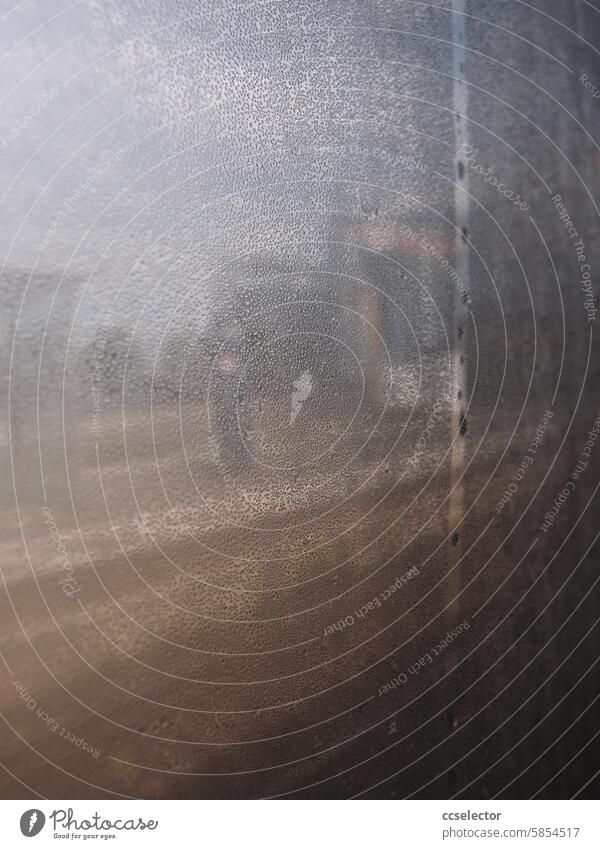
(299, 365)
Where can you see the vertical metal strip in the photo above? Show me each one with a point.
(460, 327)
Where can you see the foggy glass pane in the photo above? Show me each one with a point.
(300, 398)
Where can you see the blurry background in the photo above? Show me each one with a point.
(300, 378)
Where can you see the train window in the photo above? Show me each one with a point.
(299, 458)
